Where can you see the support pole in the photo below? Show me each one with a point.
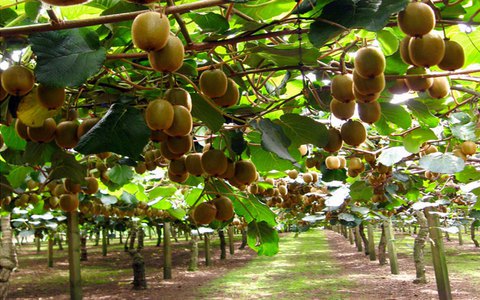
(208, 259)
(73, 236)
(50, 251)
(358, 240)
(167, 252)
(392, 251)
(371, 243)
(231, 241)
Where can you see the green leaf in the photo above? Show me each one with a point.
(304, 130)
(122, 130)
(210, 22)
(391, 156)
(445, 163)
(262, 238)
(39, 153)
(110, 200)
(162, 191)
(178, 213)
(237, 142)
(67, 57)
(274, 139)
(396, 114)
(160, 203)
(388, 41)
(18, 176)
(192, 197)
(266, 161)
(11, 138)
(286, 54)
(66, 166)
(466, 132)
(252, 209)
(203, 111)
(423, 114)
(469, 174)
(32, 9)
(120, 174)
(361, 191)
(414, 139)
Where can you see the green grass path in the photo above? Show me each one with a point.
(303, 269)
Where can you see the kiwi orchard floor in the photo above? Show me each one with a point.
(315, 265)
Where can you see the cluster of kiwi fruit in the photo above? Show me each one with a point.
(219, 208)
(333, 162)
(465, 149)
(215, 84)
(151, 33)
(423, 48)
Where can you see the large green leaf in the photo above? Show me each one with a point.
(11, 138)
(203, 111)
(122, 130)
(210, 22)
(304, 130)
(414, 139)
(396, 114)
(469, 174)
(266, 161)
(39, 153)
(361, 191)
(67, 57)
(262, 238)
(252, 209)
(391, 156)
(423, 114)
(388, 41)
(65, 165)
(120, 174)
(17, 176)
(445, 163)
(162, 191)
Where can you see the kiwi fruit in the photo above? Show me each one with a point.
(369, 62)
(182, 122)
(204, 213)
(245, 172)
(150, 31)
(224, 208)
(440, 88)
(66, 134)
(177, 166)
(169, 58)
(85, 126)
(341, 88)
(454, 57)
(50, 97)
(342, 110)
(426, 51)
(17, 80)
(104, 155)
(404, 53)
(361, 98)
(332, 162)
(193, 163)
(179, 144)
(355, 163)
(459, 153)
(399, 87)
(334, 140)
(159, 114)
(353, 133)
(72, 187)
(43, 134)
(69, 202)
(181, 178)
(230, 98)
(2, 142)
(468, 147)
(311, 162)
(369, 112)
(213, 83)
(303, 149)
(141, 167)
(158, 136)
(91, 186)
(22, 130)
(179, 96)
(165, 152)
(230, 171)
(416, 19)
(293, 174)
(418, 84)
(3, 92)
(214, 162)
(368, 86)
(64, 2)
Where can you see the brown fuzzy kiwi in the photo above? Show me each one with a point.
(91, 186)
(459, 153)
(72, 187)
(159, 114)
(169, 58)
(22, 130)
(454, 57)
(177, 178)
(50, 97)
(355, 163)
(45, 133)
(150, 31)
(399, 87)
(66, 134)
(224, 208)
(230, 98)
(427, 51)
(177, 166)
(230, 171)
(416, 83)
(141, 167)
(213, 83)
(214, 162)
(3, 92)
(369, 112)
(416, 19)
(468, 147)
(165, 152)
(361, 98)
(342, 110)
(369, 62)
(343, 162)
(85, 126)
(303, 149)
(368, 86)
(353, 133)
(179, 144)
(204, 213)
(341, 88)
(179, 96)
(311, 162)
(69, 202)
(404, 53)
(440, 88)
(293, 174)
(245, 172)
(182, 122)
(332, 162)
(64, 2)
(193, 163)
(334, 140)
(18, 80)
(307, 177)
(158, 136)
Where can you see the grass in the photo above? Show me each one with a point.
(303, 268)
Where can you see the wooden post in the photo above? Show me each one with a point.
(358, 240)
(208, 259)
(460, 237)
(38, 242)
(73, 236)
(223, 250)
(193, 264)
(50, 251)
(104, 241)
(371, 243)
(350, 235)
(231, 241)
(438, 255)
(419, 246)
(392, 251)
(167, 252)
